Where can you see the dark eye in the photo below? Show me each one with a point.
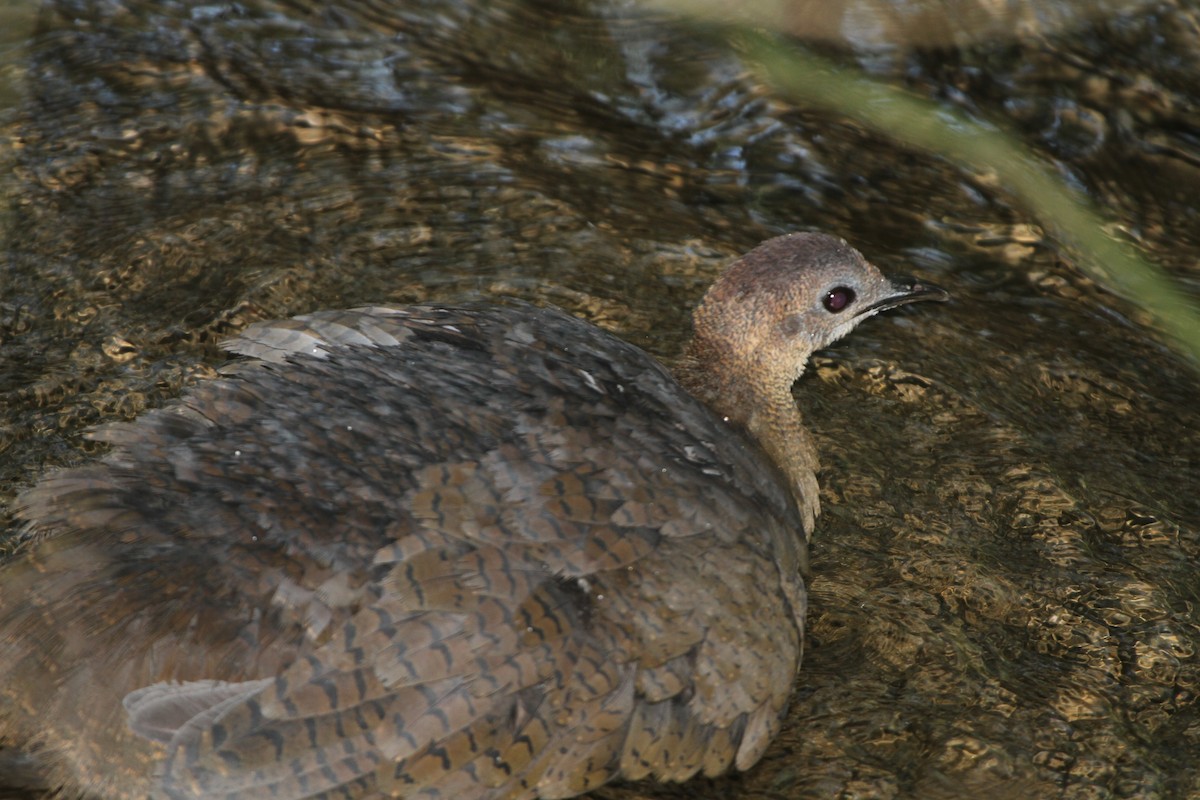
(838, 298)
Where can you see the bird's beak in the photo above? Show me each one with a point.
(907, 290)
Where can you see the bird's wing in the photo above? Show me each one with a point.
(523, 563)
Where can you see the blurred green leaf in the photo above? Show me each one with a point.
(1065, 213)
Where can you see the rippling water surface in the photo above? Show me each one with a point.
(1004, 590)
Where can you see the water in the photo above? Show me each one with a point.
(1003, 594)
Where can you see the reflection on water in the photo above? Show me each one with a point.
(874, 26)
(1003, 591)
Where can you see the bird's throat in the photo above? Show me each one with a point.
(777, 426)
(765, 409)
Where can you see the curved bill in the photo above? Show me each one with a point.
(907, 290)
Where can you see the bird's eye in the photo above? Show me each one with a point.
(837, 299)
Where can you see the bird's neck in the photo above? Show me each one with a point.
(748, 398)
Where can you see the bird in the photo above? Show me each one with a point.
(475, 551)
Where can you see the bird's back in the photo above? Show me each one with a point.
(491, 551)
